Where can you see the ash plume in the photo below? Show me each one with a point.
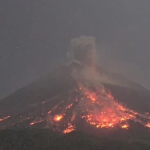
(83, 50)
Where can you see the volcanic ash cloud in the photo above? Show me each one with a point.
(83, 50)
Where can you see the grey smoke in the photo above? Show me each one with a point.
(83, 50)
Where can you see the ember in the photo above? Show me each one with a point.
(58, 117)
(69, 106)
(148, 125)
(4, 118)
(35, 122)
(125, 126)
(69, 129)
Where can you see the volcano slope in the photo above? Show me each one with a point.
(65, 101)
(44, 139)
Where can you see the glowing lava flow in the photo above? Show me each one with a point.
(69, 129)
(125, 126)
(94, 106)
(104, 112)
(148, 125)
(4, 118)
(58, 117)
(35, 122)
(69, 106)
(98, 108)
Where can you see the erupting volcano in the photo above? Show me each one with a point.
(78, 94)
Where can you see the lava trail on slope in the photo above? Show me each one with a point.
(96, 107)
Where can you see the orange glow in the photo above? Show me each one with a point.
(110, 114)
(69, 129)
(58, 117)
(1, 120)
(69, 106)
(125, 126)
(35, 122)
(148, 125)
(4, 118)
(99, 109)
(32, 123)
(91, 96)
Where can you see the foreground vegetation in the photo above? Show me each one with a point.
(43, 139)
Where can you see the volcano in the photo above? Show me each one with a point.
(64, 101)
(80, 95)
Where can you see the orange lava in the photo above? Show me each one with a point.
(111, 112)
(35, 122)
(148, 125)
(69, 106)
(92, 96)
(58, 117)
(99, 109)
(1, 120)
(125, 126)
(69, 129)
(103, 111)
(4, 118)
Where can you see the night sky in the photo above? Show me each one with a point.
(35, 36)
